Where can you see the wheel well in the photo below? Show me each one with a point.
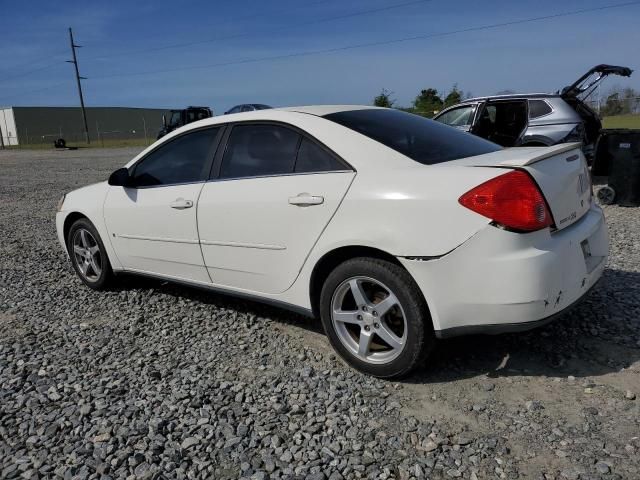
(70, 220)
(334, 258)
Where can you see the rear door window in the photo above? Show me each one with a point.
(313, 158)
(423, 140)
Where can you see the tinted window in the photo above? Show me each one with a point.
(181, 160)
(194, 115)
(423, 140)
(257, 150)
(234, 110)
(538, 108)
(175, 119)
(313, 158)
(458, 117)
(247, 108)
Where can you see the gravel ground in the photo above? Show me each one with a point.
(151, 380)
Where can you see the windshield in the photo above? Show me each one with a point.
(419, 138)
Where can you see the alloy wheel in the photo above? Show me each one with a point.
(87, 254)
(369, 320)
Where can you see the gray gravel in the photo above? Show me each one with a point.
(151, 380)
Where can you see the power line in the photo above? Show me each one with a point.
(35, 70)
(262, 32)
(37, 90)
(374, 44)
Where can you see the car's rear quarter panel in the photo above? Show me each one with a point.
(500, 277)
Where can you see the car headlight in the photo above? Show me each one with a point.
(60, 203)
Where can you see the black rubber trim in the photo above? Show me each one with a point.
(224, 291)
(497, 329)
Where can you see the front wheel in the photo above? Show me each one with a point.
(88, 255)
(376, 317)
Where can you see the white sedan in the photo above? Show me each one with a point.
(393, 229)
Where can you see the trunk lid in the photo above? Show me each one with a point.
(592, 78)
(560, 172)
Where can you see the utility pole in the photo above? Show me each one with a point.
(78, 78)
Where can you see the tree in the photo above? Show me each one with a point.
(453, 97)
(428, 103)
(612, 106)
(618, 101)
(384, 99)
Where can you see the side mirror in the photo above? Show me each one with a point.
(120, 178)
(164, 121)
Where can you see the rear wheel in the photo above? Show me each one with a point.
(88, 255)
(375, 317)
(606, 195)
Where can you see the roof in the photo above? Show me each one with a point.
(511, 96)
(321, 110)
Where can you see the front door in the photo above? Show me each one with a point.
(275, 193)
(152, 224)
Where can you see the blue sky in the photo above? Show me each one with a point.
(117, 37)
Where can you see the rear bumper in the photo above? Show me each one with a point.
(497, 329)
(500, 281)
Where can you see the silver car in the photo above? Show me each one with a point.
(535, 119)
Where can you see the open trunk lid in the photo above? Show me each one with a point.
(560, 172)
(590, 79)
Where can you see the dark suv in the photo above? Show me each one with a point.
(247, 107)
(535, 119)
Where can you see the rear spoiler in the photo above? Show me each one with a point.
(535, 154)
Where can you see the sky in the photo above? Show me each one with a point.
(152, 53)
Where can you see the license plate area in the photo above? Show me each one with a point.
(590, 261)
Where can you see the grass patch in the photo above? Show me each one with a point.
(106, 143)
(621, 121)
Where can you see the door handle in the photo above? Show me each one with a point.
(306, 200)
(181, 204)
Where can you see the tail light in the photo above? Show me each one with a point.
(512, 200)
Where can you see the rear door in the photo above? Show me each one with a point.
(503, 121)
(274, 191)
(152, 224)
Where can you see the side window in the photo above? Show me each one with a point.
(458, 117)
(182, 160)
(247, 108)
(175, 119)
(538, 108)
(258, 150)
(313, 158)
(234, 110)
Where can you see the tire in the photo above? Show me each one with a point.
(407, 324)
(606, 195)
(95, 273)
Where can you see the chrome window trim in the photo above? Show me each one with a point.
(213, 180)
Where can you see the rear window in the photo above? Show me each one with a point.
(423, 140)
(538, 108)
